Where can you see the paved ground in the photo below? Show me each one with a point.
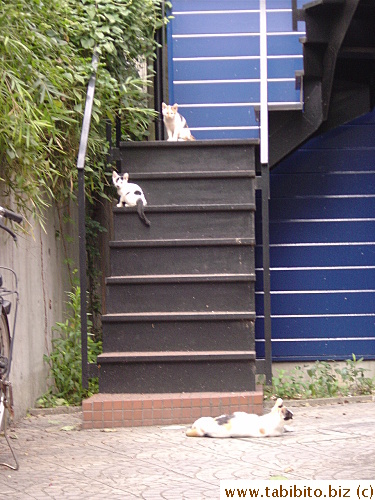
(58, 460)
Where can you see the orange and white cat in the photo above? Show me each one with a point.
(175, 124)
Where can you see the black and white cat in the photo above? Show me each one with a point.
(175, 124)
(131, 195)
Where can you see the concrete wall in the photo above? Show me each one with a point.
(38, 259)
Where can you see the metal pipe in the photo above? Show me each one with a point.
(264, 149)
(82, 214)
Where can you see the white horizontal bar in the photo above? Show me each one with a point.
(319, 268)
(197, 12)
(227, 35)
(281, 104)
(240, 80)
(223, 128)
(234, 58)
(188, 82)
(355, 219)
(282, 316)
(315, 292)
(215, 35)
(318, 339)
(335, 244)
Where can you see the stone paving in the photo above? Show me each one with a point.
(59, 460)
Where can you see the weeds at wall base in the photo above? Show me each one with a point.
(322, 379)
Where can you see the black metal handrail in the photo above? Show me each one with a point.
(81, 218)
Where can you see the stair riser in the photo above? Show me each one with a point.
(182, 260)
(161, 157)
(184, 225)
(155, 336)
(180, 297)
(197, 191)
(177, 377)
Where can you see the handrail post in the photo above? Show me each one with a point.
(82, 214)
(264, 160)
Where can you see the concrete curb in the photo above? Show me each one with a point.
(322, 401)
(59, 410)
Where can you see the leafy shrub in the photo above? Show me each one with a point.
(65, 359)
(322, 379)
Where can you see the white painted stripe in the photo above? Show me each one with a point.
(234, 58)
(318, 339)
(263, 116)
(284, 316)
(197, 12)
(319, 268)
(189, 82)
(286, 33)
(215, 35)
(334, 196)
(338, 244)
(239, 80)
(205, 12)
(286, 56)
(314, 292)
(281, 80)
(283, 104)
(224, 128)
(292, 221)
(227, 35)
(221, 58)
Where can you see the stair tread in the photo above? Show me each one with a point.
(190, 208)
(174, 355)
(189, 144)
(183, 242)
(201, 174)
(153, 316)
(182, 277)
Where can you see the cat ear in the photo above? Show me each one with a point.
(175, 106)
(163, 105)
(114, 175)
(125, 177)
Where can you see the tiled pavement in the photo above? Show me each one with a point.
(59, 460)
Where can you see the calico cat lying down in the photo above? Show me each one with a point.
(242, 424)
(175, 124)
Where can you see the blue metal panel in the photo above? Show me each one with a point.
(229, 46)
(217, 43)
(209, 5)
(210, 70)
(213, 23)
(322, 234)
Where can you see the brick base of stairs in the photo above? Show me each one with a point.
(135, 410)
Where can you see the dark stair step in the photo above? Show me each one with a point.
(194, 156)
(180, 293)
(199, 191)
(182, 257)
(178, 331)
(189, 222)
(160, 372)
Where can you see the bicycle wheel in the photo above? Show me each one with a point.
(4, 358)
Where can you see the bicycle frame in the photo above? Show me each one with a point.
(6, 394)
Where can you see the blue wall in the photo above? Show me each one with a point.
(214, 63)
(322, 235)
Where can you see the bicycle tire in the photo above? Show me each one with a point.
(4, 351)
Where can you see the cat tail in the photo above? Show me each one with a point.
(141, 212)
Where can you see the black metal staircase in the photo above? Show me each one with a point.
(339, 72)
(180, 298)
